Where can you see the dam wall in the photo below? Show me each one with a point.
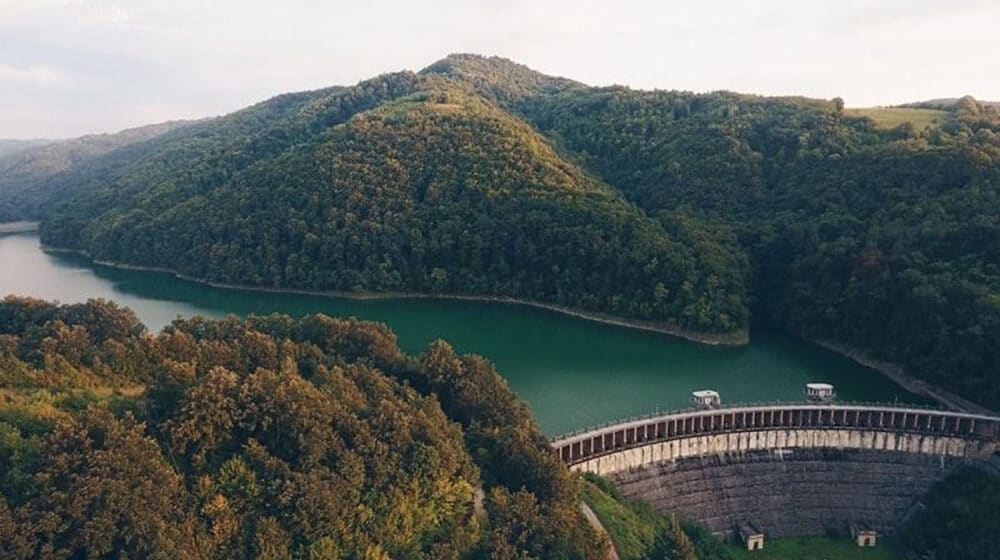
(803, 491)
(787, 469)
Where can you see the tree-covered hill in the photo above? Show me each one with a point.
(27, 170)
(499, 79)
(13, 146)
(53, 157)
(948, 103)
(479, 176)
(883, 241)
(268, 438)
(403, 183)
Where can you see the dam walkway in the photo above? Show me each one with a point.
(979, 434)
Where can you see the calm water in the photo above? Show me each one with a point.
(574, 373)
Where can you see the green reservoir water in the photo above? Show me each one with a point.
(574, 373)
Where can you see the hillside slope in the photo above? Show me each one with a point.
(404, 183)
(25, 170)
(12, 146)
(883, 241)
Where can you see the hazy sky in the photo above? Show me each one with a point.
(69, 67)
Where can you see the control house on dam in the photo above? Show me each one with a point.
(787, 469)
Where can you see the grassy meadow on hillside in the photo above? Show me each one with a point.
(891, 117)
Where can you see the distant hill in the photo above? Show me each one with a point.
(946, 103)
(37, 158)
(27, 166)
(930, 114)
(8, 147)
(696, 213)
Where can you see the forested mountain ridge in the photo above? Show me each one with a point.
(480, 176)
(499, 79)
(403, 183)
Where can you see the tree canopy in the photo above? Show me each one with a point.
(268, 437)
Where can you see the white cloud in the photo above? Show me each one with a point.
(134, 61)
(100, 13)
(34, 75)
(96, 13)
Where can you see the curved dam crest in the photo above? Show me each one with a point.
(790, 469)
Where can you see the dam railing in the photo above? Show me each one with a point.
(613, 437)
(750, 404)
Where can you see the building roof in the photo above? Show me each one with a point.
(862, 526)
(820, 386)
(747, 531)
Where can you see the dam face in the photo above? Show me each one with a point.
(788, 470)
(788, 490)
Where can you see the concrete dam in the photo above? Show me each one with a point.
(786, 469)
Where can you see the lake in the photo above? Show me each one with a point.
(574, 373)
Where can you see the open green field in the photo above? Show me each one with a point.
(891, 117)
(816, 548)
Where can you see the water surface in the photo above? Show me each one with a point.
(573, 372)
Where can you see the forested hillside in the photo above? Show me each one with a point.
(268, 438)
(404, 183)
(948, 103)
(884, 241)
(958, 519)
(478, 176)
(12, 146)
(29, 169)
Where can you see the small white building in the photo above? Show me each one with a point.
(819, 392)
(751, 537)
(863, 534)
(706, 398)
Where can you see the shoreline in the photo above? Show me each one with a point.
(898, 375)
(738, 339)
(893, 372)
(18, 227)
